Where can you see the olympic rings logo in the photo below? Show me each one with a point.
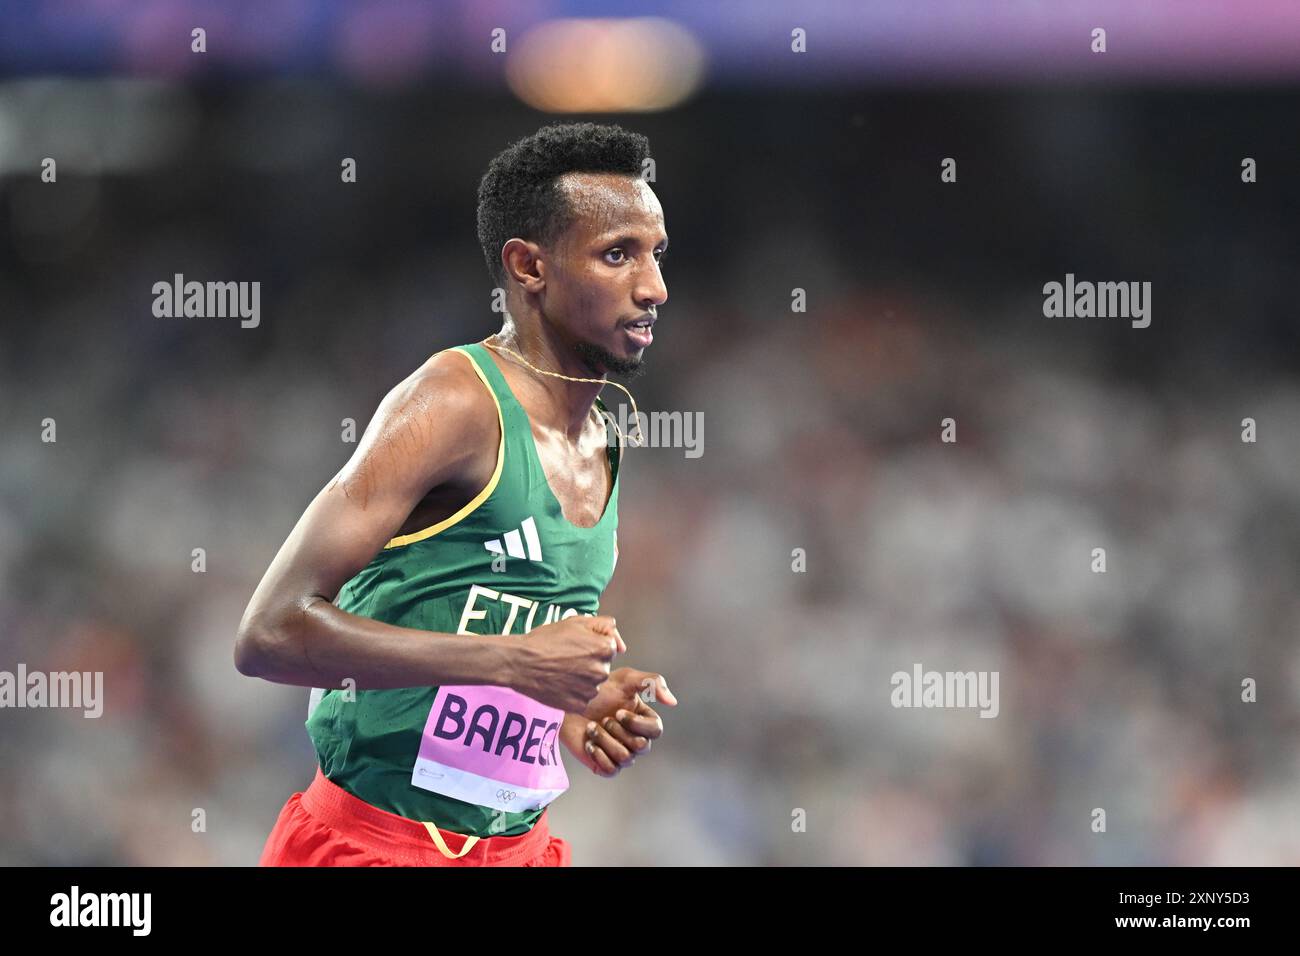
(506, 795)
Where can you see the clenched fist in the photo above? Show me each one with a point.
(563, 664)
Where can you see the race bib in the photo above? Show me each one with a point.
(493, 747)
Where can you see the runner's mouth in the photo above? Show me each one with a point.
(640, 331)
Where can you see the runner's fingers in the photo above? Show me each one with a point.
(606, 626)
(655, 688)
(606, 742)
(604, 766)
(632, 741)
(645, 724)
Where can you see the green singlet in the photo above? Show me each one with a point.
(474, 760)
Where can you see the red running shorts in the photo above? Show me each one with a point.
(327, 826)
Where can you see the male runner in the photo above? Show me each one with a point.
(481, 505)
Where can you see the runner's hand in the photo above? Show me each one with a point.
(564, 664)
(618, 725)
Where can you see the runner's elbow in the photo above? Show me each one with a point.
(267, 643)
(250, 652)
(256, 644)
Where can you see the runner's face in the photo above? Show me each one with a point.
(605, 272)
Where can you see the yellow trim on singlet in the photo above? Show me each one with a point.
(479, 498)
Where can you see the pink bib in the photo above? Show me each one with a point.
(493, 747)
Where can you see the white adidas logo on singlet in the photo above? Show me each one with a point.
(515, 542)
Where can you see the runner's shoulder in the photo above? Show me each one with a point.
(437, 426)
(449, 399)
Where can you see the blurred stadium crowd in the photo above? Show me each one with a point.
(1119, 690)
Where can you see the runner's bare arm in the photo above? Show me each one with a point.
(434, 429)
(438, 430)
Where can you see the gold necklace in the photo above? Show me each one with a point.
(640, 436)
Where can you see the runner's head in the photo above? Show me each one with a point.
(575, 236)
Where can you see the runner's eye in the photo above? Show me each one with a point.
(617, 252)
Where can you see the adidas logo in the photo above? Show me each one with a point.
(515, 542)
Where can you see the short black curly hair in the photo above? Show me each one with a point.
(519, 194)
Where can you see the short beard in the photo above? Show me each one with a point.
(600, 361)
